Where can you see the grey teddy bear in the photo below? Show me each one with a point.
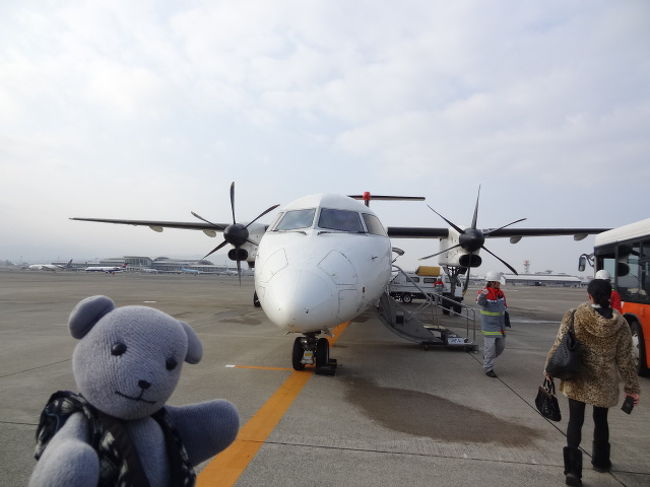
(118, 430)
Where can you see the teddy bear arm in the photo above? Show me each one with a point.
(206, 428)
(68, 459)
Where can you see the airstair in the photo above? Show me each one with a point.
(437, 322)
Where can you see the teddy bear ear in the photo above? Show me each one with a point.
(87, 313)
(194, 347)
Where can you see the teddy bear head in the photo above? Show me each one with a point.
(129, 359)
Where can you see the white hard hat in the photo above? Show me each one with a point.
(603, 274)
(492, 276)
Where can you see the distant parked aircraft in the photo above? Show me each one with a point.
(195, 272)
(146, 270)
(107, 269)
(50, 267)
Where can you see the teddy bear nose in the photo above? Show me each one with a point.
(144, 384)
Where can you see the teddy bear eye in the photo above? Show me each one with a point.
(171, 363)
(118, 348)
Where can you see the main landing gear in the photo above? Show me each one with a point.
(311, 350)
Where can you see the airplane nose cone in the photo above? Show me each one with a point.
(301, 300)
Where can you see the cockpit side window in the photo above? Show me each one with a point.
(374, 225)
(343, 220)
(295, 219)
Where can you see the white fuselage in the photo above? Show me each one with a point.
(105, 269)
(310, 278)
(43, 267)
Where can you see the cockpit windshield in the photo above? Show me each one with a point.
(342, 220)
(295, 219)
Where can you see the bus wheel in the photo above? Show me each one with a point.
(639, 348)
(406, 298)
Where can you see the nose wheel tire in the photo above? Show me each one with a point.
(322, 352)
(296, 357)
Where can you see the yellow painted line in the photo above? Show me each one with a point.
(227, 467)
(336, 332)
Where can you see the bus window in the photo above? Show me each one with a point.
(644, 269)
(607, 262)
(628, 271)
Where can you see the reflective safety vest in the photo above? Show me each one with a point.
(493, 306)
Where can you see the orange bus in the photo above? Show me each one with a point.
(624, 252)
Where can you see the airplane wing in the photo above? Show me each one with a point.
(159, 225)
(393, 232)
(417, 232)
(515, 234)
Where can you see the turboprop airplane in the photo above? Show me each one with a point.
(50, 267)
(324, 260)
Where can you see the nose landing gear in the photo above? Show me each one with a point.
(310, 350)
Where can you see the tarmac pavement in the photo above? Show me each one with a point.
(394, 414)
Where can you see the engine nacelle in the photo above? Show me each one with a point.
(470, 260)
(457, 256)
(238, 254)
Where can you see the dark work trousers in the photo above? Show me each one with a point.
(576, 420)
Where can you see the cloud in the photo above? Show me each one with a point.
(165, 104)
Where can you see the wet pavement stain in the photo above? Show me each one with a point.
(421, 414)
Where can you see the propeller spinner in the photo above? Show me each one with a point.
(235, 234)
(471, 240)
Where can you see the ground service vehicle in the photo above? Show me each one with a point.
(431, 280)
(624, 252)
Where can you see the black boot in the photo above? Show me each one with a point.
(573, 466)
(600, 457)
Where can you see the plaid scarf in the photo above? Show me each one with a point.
(119, 464)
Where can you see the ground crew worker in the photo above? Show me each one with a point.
(493, 305)
(615, 297)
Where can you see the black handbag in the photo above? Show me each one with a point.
(566, 362)
(546, 402)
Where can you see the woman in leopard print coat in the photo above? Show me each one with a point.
(607, 359)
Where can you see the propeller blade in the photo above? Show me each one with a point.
(500, 260)
(438, 253)
(476, 207)
(465, 286)
(202, 219)
(232, 201)
(239, 271)
(454, 226)
(221, 245)
(262, 214)
(504, 226)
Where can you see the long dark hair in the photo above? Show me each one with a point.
(600, 290)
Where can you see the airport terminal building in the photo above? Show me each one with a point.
(137, 263)
(558, 280)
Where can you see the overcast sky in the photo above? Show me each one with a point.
(123, 109)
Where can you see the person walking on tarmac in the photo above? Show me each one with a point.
(607, 359)
(615, 298)
(493, 305)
